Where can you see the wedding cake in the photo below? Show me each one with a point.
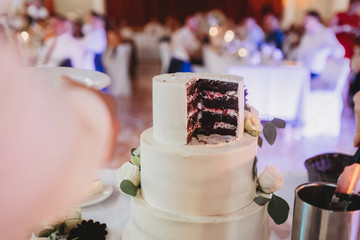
(197, 164)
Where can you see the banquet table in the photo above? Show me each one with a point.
(115, 210)
(275, 88)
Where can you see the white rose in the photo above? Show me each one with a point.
(129, 172)
(270, 180)
(252, 123)
(73, 219)
(34, 237)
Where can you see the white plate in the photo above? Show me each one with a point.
(89, 78)
(97, 198)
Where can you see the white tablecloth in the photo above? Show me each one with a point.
(115, 211)
(277, 90)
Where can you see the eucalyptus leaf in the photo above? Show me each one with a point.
(46, 232)
(135, 160)
(132, 151)
(255, 170)
(270, 132)
(260, 141)
(260, 200)
(278, 209)
(128, 187)
(279, 123)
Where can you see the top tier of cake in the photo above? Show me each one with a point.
(200, 108)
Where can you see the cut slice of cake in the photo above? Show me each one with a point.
(201, 108)
(212, 108)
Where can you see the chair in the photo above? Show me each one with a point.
(117, 66)
(324, 103)
(165, 56)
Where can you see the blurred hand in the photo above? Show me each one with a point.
(357, 118)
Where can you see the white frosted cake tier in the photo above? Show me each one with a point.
(148, 223)
(170, 104)
(197, 180)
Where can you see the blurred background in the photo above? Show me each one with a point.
(299, 58)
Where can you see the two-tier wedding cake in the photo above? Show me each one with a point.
(197, 164)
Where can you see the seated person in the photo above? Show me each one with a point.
(317, 45)
(184, 43)
(274, 34)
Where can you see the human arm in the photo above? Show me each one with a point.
(357, 119)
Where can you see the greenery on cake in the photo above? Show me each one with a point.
(267, 184)
(254, 126)
(270, 179)
(128, 175)
(72, 227)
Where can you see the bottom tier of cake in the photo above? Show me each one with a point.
(148, 223)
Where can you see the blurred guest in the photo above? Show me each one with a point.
(171, 25)
(254, 33)
(116, 59)
(184, 44)
(346, 25)
(274, 34)
(317, 44)
(94, 42)
(154, 28)
(354, 86)
(292, 41)
(62, 49)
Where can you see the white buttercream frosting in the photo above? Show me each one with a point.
(170, 104)
(148, 223)
(199, 180)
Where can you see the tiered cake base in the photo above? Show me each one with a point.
(148, 223)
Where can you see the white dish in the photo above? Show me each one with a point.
(89, 78)
(99, 197)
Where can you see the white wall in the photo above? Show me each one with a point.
(78, 7)
(294, 10)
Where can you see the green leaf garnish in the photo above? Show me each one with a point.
(128, 187)
(260, 200)
(278, 209)
(132, 151)
(260, 141)
(255, 170)
(46, 232)
(135, 160)
(279, 123)
(269, 132)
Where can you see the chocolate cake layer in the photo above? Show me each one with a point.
(221, 103)
(209, 119)
(216, 86)
(212, 107)
(220, 131)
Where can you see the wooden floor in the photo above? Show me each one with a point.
(288, 153)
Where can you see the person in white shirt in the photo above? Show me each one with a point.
(184, 43)
(317, 45)
(94, 42)
(63, 49)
